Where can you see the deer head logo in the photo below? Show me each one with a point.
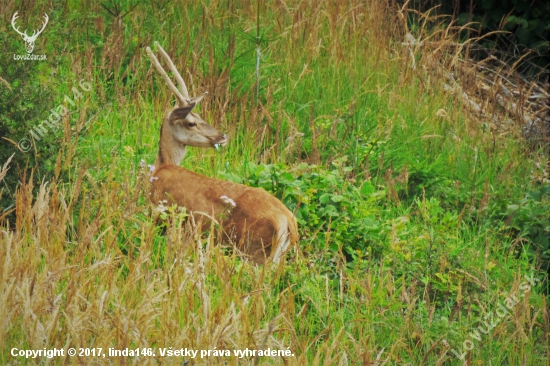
(29, 40)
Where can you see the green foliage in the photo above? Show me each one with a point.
(531, 218)
(331, 210)
(26, 101)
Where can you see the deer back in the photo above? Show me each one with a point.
(251, 218)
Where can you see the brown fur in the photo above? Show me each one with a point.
(253, 224)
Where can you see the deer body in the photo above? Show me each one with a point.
(252, 218)
(259, 224)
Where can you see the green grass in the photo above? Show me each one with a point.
(406, 241)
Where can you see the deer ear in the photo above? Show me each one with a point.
(181, 113)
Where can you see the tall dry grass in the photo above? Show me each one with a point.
(108, 280)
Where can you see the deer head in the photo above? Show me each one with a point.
(29, 40)
(181, 126)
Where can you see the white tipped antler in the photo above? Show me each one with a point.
(183, 96)
(181, 100)
(179, 79)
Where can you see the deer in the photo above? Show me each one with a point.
(260, 226)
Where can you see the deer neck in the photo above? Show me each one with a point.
(171, 151)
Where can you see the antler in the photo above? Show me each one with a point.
(179, 79)
(183, 100)
(36, 34)
(14, 27)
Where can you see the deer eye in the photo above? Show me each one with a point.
(191, 124)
